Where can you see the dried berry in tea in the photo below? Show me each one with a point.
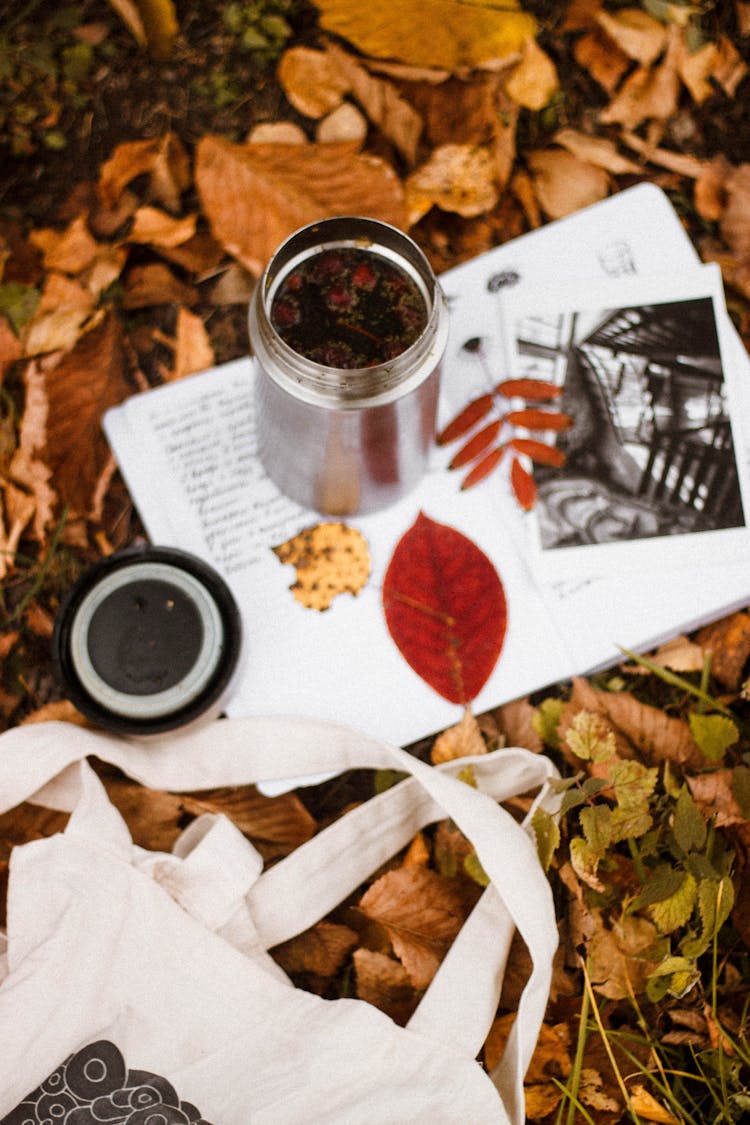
(347, 307)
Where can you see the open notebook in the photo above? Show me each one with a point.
(584, 574)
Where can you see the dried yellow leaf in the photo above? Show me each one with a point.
(68, 251)
(636, 33)
(345, 123)
(564, 184)
(596, 150)
(434, 33)
(193, 350)
(459, 741)
(458, 178)
(647, 1107)
(330, 559)
(312, 81)
(534, 80)
(277, 133)
(156, 228)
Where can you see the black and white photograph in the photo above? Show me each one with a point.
(650, 451)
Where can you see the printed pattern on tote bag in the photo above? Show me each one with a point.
(94, 1086)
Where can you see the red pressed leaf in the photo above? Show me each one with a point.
(445, 608)
(483, 468)
(476, 445)
(533, 390)
(539, 419)
(523, 485)
(468, 417)
(539, 451)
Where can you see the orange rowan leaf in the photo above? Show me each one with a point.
(539, 419)
(476, 445)
(523, 485)
(483, 468)
(533, 390)
(465, 419)
(539, 451)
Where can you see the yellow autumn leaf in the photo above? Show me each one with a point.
(330, 559)
(534, 80)
(434, 33)
(460, 178)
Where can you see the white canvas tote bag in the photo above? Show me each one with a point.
(136, 987)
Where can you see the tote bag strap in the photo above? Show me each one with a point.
(240, 751)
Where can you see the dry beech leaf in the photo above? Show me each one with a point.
(522, 186)
(27, 467)
(596, 150)
(728, 641)
(320, 950)
(69, 251)
(680, 162)
(330, 559)
(459, 178)
(422, 912)
(16, 510)
(235, 286)
(550, 1058)
(281, 822)
(603, 60)
(639, 35)
(277, 133)
(312, 81)
(63, 309)
(646, 1106)
(60, 710)
(27, 822)
(155, 819)
(80, 388)
(104, 270)
(534, 80)
(164, 160)
(712, 792)
(619, 962)
(435, 33)
(592, 1092)
(256, 195)
(680, 654)
(37, 619)
(709, 190)
(459, 741)
(385, 984)
(735, 222)
(648, 93)
(395, 117)
(155, 284)
(193, 350)
(696, 68)
(515, 720)
(157, 228)
(345, 123)
(730, 67)
(418, 853)
(641, 731)
(563, 183)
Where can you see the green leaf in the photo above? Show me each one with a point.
(714, 734)
(596, 822)
(671, 913)
(590, 737)
(634, 783)
(741, 788)
(715, 902)
(689, 826)
(546, 720)
(18, 302)
(662, 883)
(629, 824)
(547, 834)
(475, 871)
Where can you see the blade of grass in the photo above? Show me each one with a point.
(608, 1046)
(685, 685)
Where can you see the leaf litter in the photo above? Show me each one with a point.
(464, 144)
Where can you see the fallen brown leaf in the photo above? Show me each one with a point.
(320, 950)
(10, 347)
(157, 228)
(563, 183)
(730, 68)
(713, 794)
(27, 467)
(650, 92)
(602, 58)
(60, 710)
(459, 741)
(646, 1106)
(385, 984)
(422, 913)
(619, 963)
(312, 80)
(282, 822)
(680, 654)
(164, 160)
(16, 510)
(345, 123)
(155, 284)
(63, 309)
(87, 381)
(459, 178)
(709, 190)
(256, 195)
(728, 641)
(637, 34)
(534, 81)
(735, 222)
(277, 133)
(596, 150)
(70, 251)
(193, 351)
